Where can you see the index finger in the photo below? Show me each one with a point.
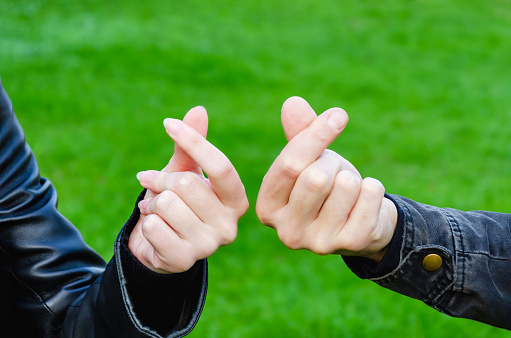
(224, 179)
(298, 154)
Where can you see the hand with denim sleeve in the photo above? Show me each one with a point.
(185, 216)
(317, 200)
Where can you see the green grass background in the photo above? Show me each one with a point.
(426, 84)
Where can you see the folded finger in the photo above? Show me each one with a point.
(312, 188)
(365, 213)
(167, 248)
(192, 189)
(340, 202)
(176, 213)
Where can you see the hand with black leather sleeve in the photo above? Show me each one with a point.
(54, 284)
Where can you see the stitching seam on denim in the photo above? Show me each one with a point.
(457, 237)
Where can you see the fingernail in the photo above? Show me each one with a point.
(173, 126)
(337, 120)
(145, 176)
(142, 206)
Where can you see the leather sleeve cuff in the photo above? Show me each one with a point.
(160, 301)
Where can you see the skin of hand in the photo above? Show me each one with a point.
(185, 216)
(315, 199)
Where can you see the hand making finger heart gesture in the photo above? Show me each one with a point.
(185, 216)
(315, 198)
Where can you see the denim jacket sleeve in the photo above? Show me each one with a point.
(53, 284)
(474, 278)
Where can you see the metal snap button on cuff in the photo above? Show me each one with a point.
(432, 262)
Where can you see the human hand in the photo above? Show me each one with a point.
(185, 216)
(315, 198)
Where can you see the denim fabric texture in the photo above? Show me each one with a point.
(474, 280)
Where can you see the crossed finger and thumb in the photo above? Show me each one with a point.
(197, 118)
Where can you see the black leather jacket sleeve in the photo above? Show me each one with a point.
(55, 285)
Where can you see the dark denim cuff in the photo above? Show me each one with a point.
(366, 268)
(426, 231)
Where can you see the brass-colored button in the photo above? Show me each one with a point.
(432, 262)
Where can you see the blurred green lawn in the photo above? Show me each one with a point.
(426, 83)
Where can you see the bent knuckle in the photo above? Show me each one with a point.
(230, 234)
(223, 169)
(227, 232)
(263, 214)
(320, 242)
(292, 167)
(150, 225)
(208, 246)
(243, 206)
(372, 187)
(348, 182)
(320, 247)
(318, 179)
(164, 201)
(185, 181)
(290, 238)
(240, 206)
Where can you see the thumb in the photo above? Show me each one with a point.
(197, 118)
(296, 115)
